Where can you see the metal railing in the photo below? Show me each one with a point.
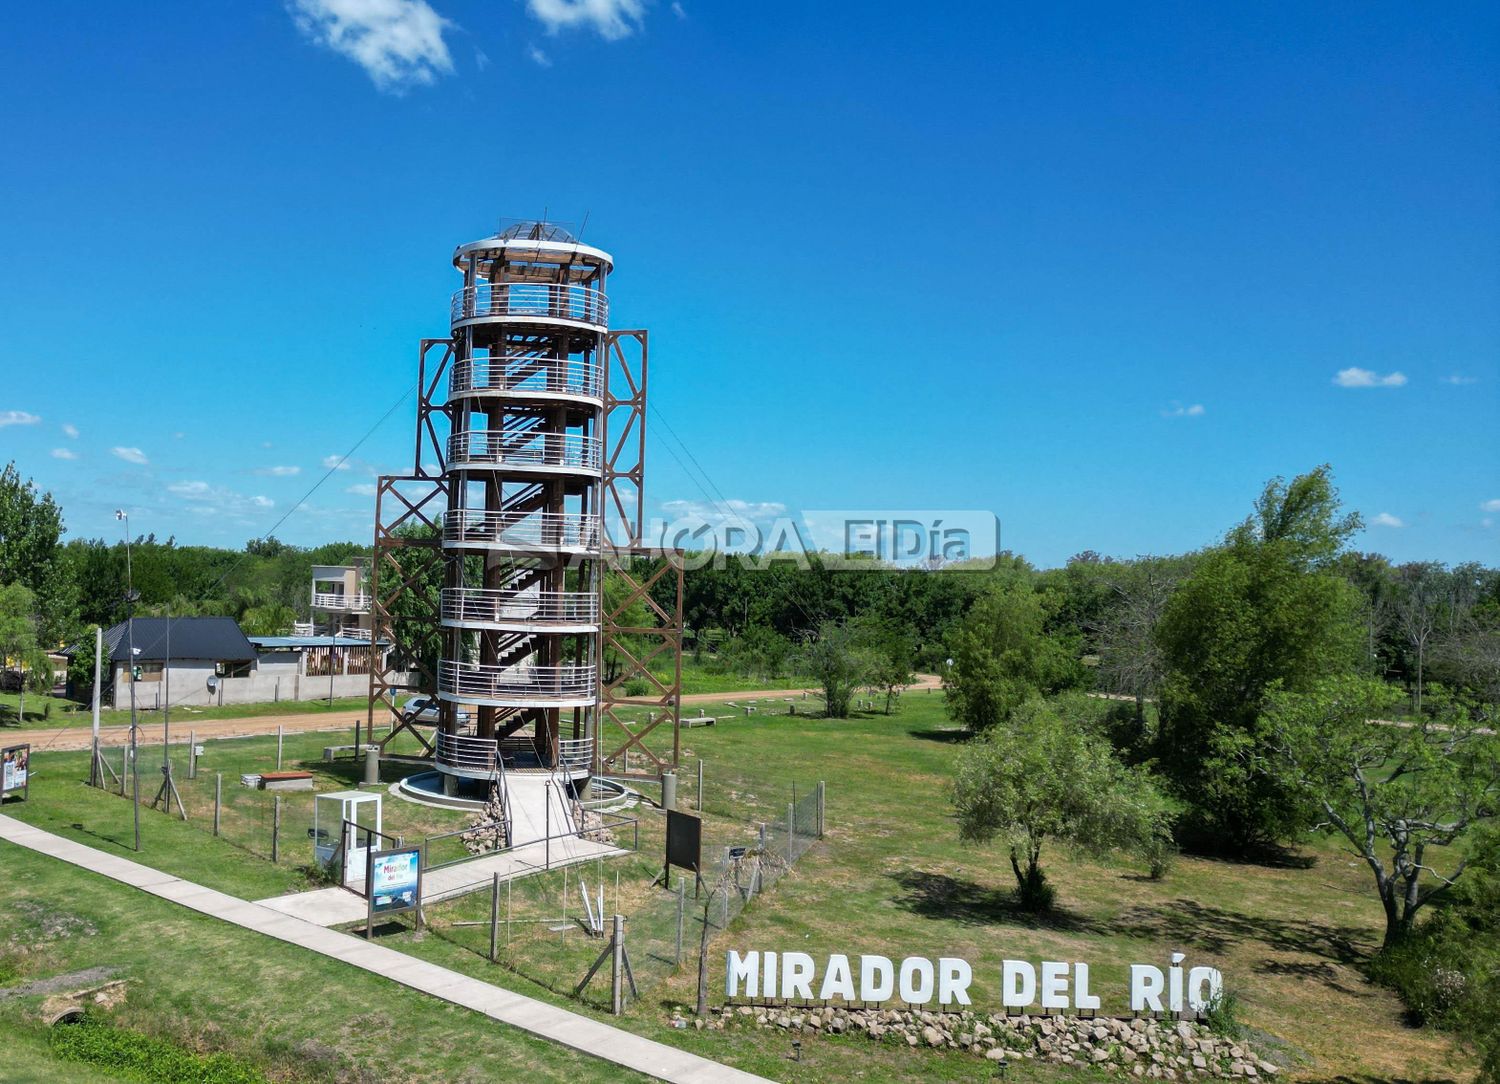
(541, 376)
(582, 304)
(524, 449)
(522, 530)
(487, 682)
(469, 753)
(337, 600)
(483, 605)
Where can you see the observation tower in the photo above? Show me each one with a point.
(523, 535)
(491, 556)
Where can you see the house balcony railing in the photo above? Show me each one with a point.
(523, 450)
(545, 531)
(489, 606)
(546, 301)
(337, 600)
(527, 376)
(516, 684)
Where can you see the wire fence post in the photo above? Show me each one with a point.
(617, 968)
(547, 827)
(495, 920)
(192, 755)
(681, 912)
(791, 833)
(218, 798)
(276, 828)
(507, 910)
(822, 794)
(278, 747)
(699, 793)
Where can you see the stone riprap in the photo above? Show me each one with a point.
(1140, 1047)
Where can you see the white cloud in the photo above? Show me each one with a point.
(64, 453)
(610, 19)
(363, 489)
(398, 43)
(1177, 410)
(70, 430)
(1490, 506)
(678, 10)
(1385, 519)
(18, 417)
(206, 498)
(130, 455)
(537, 55)
(335, 462)
(1355, 377)
(718, 513)
(278, 472)
(1459, 379)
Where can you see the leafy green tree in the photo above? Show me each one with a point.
(838, 660)
(1403, 797)
(1268, 607)
(758, 651)
(30, 529)
(272, 619)
(18, 640)
(1044, 777)
(893, 656)
(1003, 657)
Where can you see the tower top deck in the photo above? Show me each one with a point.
(540, 243)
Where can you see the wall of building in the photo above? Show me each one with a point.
(275, 678)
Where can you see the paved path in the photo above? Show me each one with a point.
(547, 1021)
(337, 906)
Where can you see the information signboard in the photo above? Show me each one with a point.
(17, 765)
(395, 881)
(684, 843)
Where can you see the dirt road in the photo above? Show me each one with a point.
(78, 737)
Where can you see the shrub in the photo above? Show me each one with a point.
(1222, 1016)
(134, 1056)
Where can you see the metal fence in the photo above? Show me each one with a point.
(552, 926)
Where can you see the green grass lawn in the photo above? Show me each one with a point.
(54, 711)
(890, 878)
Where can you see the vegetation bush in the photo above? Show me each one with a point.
(1222, 1017)
(143, 1058)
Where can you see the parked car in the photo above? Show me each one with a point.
(425, 709)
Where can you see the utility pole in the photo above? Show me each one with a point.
(168, 790)
(96, 774)
(135, 764)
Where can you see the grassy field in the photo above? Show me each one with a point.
(890, 878)
(45, 711)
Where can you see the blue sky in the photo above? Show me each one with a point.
(1101, 270)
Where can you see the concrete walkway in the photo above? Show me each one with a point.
(337, 906)
(536, 1017)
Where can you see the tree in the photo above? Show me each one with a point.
(1401, 796)
(1130, 656)
(272, 619)
(18, 640)
(1418, 602)
(30, 527)
(840, 662)
(1268, 607)
(893, 654)
(1002, 656)
(1044, 777)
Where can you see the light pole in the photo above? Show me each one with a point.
(135, 762)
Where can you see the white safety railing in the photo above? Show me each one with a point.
(582, 304)
(488, 605)
(335, 600)
(531, 376)
(541, 683)
(522, 530)
(528, 448)
(465, 753)
(575, 754)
